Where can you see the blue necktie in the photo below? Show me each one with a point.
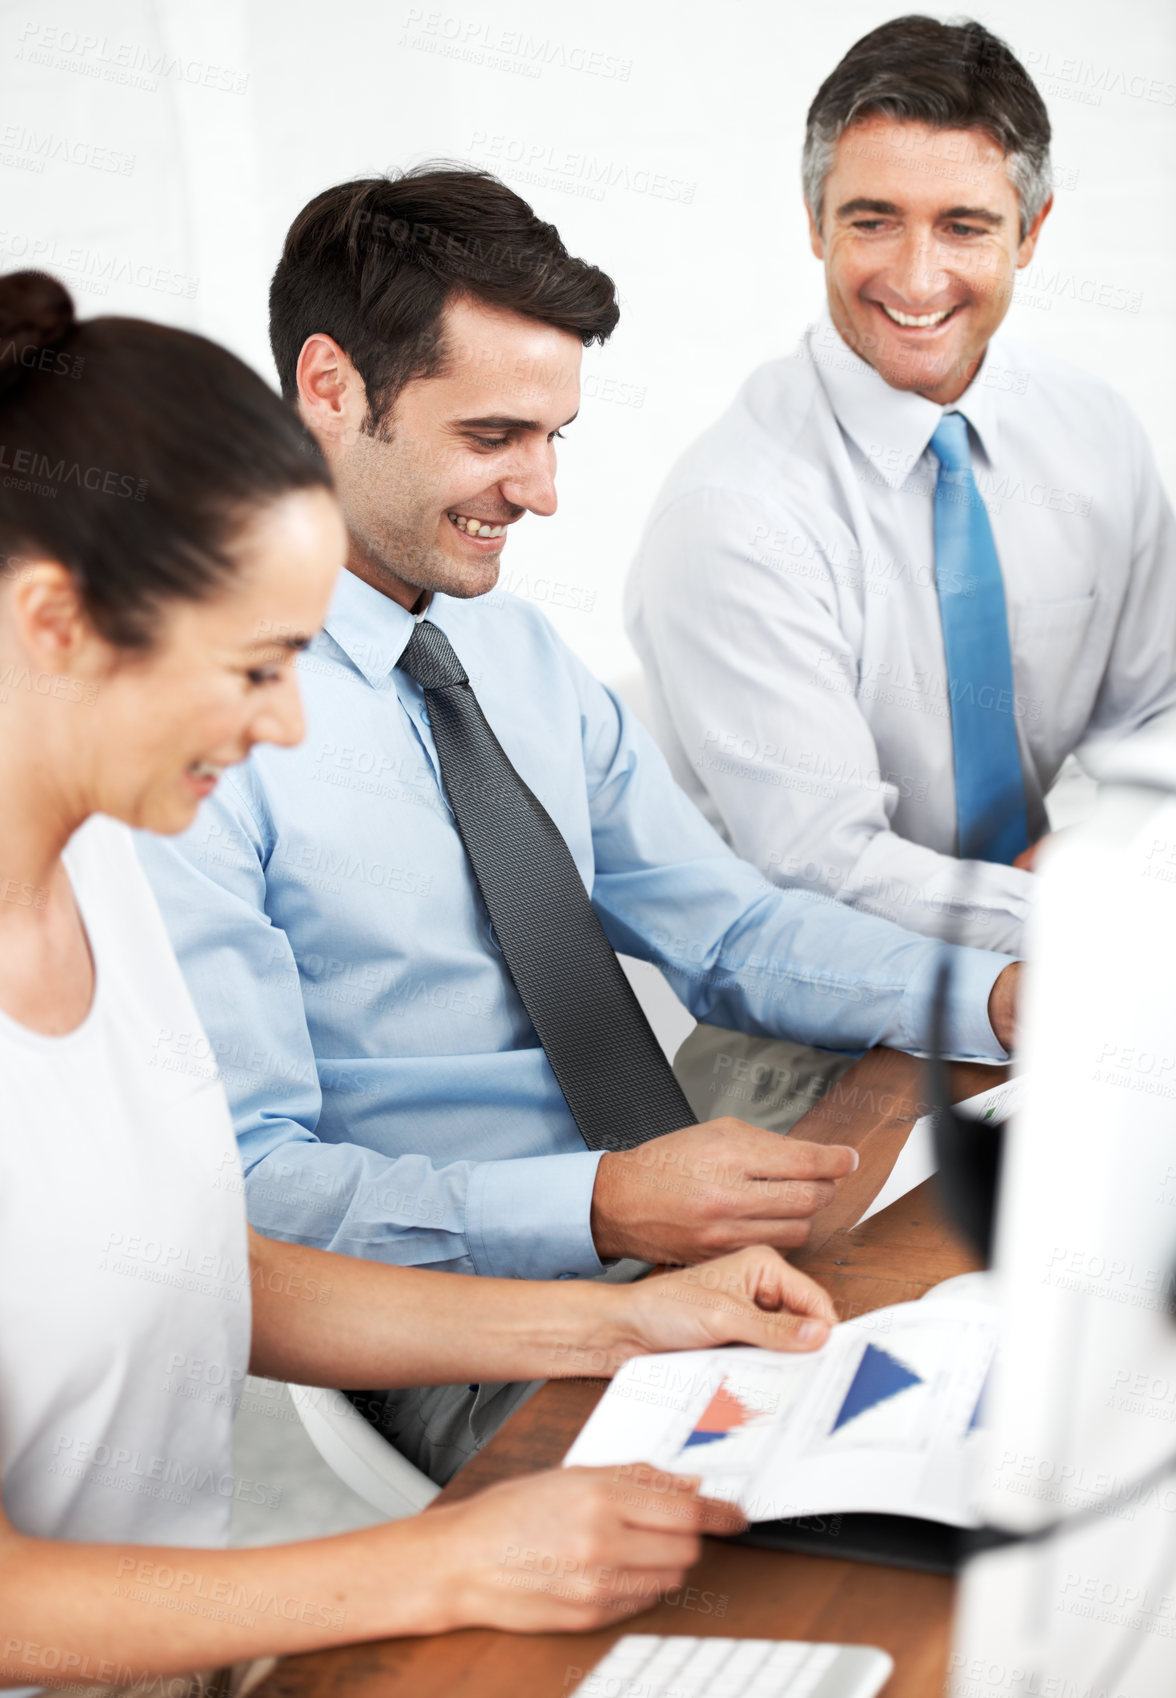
(990, 788)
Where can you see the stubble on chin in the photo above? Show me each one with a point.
(429, 569)
(469, 582)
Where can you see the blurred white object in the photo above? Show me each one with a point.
(372, 1467)
(1082, 1412)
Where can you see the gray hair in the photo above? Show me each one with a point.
(951, 76)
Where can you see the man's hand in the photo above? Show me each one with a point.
(709, 1189)
(1027, 859)
(1002, 1005)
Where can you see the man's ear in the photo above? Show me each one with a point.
(1029, 241)
(815, 242)
(49, 615)
(332, 397)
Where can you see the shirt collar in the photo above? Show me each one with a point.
(892, 427)
(371, 629)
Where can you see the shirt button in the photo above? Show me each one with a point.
(425, 716)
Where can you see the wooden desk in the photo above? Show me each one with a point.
(734, 1590)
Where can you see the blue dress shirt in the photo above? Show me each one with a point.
(389, 1092)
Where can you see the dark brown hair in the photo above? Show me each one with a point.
(951, 76)
(133, 454)
(374, 263)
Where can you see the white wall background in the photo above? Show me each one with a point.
(153, 155)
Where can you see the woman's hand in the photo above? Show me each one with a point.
(751, 1297)
(414, 1326)
(565, 1551)
(570, 1550)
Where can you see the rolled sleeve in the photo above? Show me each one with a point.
(969, 1035)
(531, 1218)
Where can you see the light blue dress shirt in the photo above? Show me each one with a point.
(390, 1095)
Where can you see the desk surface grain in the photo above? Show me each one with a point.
(734, 1590)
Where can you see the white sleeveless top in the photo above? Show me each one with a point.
(124, 1291)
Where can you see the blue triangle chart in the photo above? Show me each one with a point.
(879, 1376)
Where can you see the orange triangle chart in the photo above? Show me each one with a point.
(721, 1416)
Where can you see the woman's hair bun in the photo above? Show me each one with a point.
(36, 312)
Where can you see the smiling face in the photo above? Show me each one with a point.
(143, 735)
(463, 456)
(920, 239)
(220, 676)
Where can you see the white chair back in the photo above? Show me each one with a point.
(351, 1446)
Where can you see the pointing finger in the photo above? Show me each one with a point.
(797, 1158)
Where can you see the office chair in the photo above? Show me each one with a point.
(352, 1448)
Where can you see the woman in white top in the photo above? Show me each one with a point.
(168, 542)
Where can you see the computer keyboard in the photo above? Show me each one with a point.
(643, 1665)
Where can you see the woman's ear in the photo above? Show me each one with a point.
(46, 608)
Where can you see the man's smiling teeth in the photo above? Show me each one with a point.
(922, 322)
(476, 527)
(205, 769)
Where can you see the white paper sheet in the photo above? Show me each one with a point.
(884, 1418)
(916, 1159)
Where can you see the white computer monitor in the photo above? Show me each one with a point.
(1082, 1408)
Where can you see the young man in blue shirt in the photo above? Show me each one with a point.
(378, 1035)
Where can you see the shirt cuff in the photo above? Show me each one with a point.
(531, 1218)
(968, 1034)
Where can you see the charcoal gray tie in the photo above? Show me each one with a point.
(609, 1065)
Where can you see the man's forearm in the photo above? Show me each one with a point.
(356, 1202)
(828, 976)
(978, 903)
(522, 1218)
